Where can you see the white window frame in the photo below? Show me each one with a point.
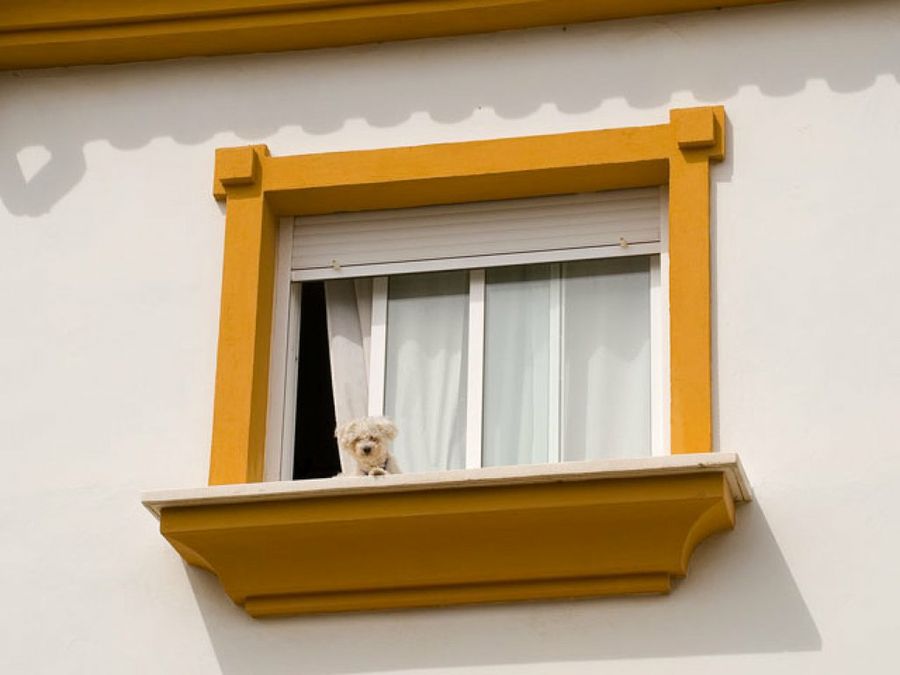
(286, 337)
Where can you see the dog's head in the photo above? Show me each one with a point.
(367, 440)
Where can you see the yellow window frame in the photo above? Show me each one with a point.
(259, 189)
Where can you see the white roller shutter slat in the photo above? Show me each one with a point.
(496, 229)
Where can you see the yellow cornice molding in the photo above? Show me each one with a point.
(259, 188)
(484, 535)
(47, 33)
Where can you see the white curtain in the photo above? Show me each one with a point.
(517, 365)
(425, 379)
(606, 358)
(567, 361)
(348, 304)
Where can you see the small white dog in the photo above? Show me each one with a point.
(368, 440)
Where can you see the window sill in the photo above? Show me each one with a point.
(471, 536)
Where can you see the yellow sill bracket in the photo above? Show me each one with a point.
(45, 33)
(457, 537)
(259, 188)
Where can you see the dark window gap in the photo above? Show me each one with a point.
(315, 448)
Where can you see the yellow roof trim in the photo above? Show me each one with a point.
(47, 33)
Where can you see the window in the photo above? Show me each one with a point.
(497, 333)
(257, 537)
(261, 189)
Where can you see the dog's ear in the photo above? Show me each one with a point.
(343, 433)
(387, 428)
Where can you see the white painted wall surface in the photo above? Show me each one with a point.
(109, 306)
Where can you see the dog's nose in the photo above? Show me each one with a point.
(367, 449)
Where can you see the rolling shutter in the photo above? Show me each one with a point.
(474, 234)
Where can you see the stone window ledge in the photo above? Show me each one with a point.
(470, 536)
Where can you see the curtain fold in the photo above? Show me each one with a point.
(425, 382)
(517, 365)
(606, 358)
(348, 306)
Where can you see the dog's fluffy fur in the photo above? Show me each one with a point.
(368, 441)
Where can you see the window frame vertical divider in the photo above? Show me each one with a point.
(475, 370)
(659, 337)
(378, 346)
(278, 460)
(291, 384)
(554, 376)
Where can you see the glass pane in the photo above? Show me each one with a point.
(517, 367)
(606, 358)
(425, 378)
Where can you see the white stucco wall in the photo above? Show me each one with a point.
(110, 264)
